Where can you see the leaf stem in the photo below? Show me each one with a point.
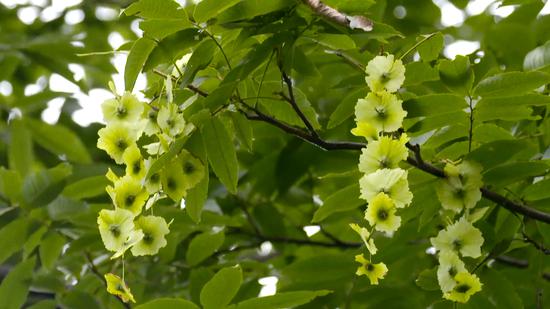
(415, 46)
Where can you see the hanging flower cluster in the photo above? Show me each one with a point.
(458, 192)
(384, 184)
(126, 226)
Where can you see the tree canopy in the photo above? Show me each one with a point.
(274, 154)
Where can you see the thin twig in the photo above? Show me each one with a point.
(98, 274)
(415, 46)
(471, 128)
(292, 100)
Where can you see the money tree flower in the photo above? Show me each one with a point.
(373, 271)
(115, 139)
(382, 110)
(170, 120)
(461, 187)
(126, 108)
(192, 169)
(383, 153)
(364, 129)
(381, 214)
(466, 285)
(135, 165)
(115, 227)
(449, 266)
(129, 194)
(392, 182)
(154, 229)
(365, 236)
(174, 182)
(151, 126)
(461, 237)
(385, 73)
(116, 286)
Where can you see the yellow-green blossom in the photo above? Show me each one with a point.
(134, 162)
(466, 285)
(170, 120)
(449, 265)
(154, 229)
(381, 215)
(192, 169)
(385, 73)
(373, 271)
(383, 153)
(461, 187)
(366, 237)
(151, 126)
(174, 182)
(115, 227)
(126, 108)
(365, 130)
(130, 194)
(382, 110)
(461, 237)
(116, 286)
(393, 182)
(116, 138)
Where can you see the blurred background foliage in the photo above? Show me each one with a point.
(55, 56)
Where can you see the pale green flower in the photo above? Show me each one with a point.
(381, 215)
(461, 187)
(126, 108)
(170, 120)
(130, 194)
(115, 227)
(373, 271)
(466, 285)
(154, 230)
(392, 182)
(461, 237)
(135, 165)
(116, 138)
(365, 130)
(449, 265)
(365, 236)
(382, 110)
(383, 153)
(385, 73)
(116, 286)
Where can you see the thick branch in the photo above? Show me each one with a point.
(416, 161)
(359, 22)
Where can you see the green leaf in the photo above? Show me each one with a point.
(136, 60)
(509, 113)
(15, 287)
(208, 9)
(50, 249)
(497, 152)
(537, 58)
(203, 246)
(87, 187)
(243, 128)
(346, 107)
(341, 200)
(511, 84)
(280, 300)
(427, 280)
(161, 28)
(500, 290)
(537, 191)
(334, 41)
(220, 290)
(10, 184)
(434, 104)
(457, 74)
(419, 72)
(351, 6)
(64, 208)
(246, 9)
(33, 241)
(12, 236)
(20, 152)
(59, 140)
(431, 48)
(197, 196)
(168, 303)
(42, 187)
(221, 152)
(164, 9)
(506, 174)
(200, 59)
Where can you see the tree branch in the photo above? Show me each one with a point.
(417, 161)
(353, 22)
